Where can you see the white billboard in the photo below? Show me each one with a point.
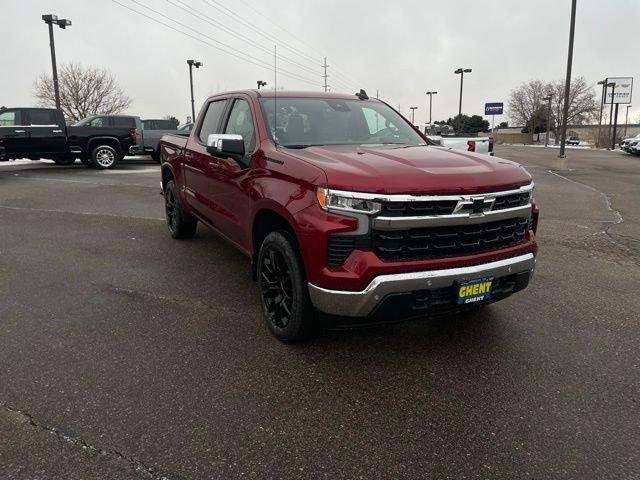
(623, 88)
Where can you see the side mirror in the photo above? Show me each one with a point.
(229, 145)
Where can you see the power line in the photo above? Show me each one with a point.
(237, 17)
(303, 42)
(217, 24)
(235, 53)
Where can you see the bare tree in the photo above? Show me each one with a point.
(526, 100)
(583, 106)
(84, 91)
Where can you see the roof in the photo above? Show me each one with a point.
(293, 93)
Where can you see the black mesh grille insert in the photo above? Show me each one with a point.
(445, 241)
(511, 201)
(338, 249)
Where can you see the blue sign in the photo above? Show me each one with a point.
(493, 108)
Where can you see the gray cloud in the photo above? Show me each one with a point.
(400, 48)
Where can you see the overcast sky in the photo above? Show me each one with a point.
(400, 48)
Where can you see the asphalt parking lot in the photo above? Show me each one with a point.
(126, 354)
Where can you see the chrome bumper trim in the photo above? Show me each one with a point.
(360, 304)
(401, 223)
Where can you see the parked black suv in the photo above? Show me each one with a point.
(42, 133)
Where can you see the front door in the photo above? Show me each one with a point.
(232, 207)
(47, 133)
(197, 162)
(13, 133)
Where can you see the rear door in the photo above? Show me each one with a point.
(13, 133)
(47, 132)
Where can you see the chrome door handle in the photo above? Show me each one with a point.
(57, 131)
(19, 131)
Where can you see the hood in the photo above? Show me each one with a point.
(412, 169)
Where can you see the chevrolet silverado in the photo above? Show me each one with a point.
(345, 209)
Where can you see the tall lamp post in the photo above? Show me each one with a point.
(612, 138)
(626, 120)
(461, 72)
(567, 82)
(192, 63)
(548, 99)
(604, 89)
(431, 94)
(413, 114)
(62, 23)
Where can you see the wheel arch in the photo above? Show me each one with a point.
(269, 219)
(109, 141)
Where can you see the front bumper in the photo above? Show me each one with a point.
(363, 303)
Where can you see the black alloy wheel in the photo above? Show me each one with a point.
(179, 224)
(276, 286)
(284, 292)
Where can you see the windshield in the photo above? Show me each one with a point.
(304, 122)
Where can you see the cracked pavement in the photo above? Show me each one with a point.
(127, 355)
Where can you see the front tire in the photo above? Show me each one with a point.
(104, 157)
(181, 225)
(286, 305)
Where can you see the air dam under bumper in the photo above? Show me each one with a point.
(362, 303)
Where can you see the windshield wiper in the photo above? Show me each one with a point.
(298, 146)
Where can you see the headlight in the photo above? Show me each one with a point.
(347, 201)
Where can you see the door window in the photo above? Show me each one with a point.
(98, 122)
(10, 118)
(241, 123)
(211, 121)
(48, 118)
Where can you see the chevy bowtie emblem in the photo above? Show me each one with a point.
(477, 207)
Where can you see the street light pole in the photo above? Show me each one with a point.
(613, 96)
(626, 120)
(192, 63)
(548, 99)
(461, 71)
(567, 83)
(431, 94)
(413, 114)
(604, 88)
(63, 23)
(261, 84)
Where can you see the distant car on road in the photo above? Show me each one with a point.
(573, 140)
(35, 133)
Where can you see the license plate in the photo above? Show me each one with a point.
(473, 291)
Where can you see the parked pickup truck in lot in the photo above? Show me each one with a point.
(344, 208)
(37, 133)
(444, 136)
(152, 132)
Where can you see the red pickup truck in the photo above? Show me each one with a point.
(344, 208)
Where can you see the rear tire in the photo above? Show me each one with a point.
(181, 226)
(286, 305)
(104, 157)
